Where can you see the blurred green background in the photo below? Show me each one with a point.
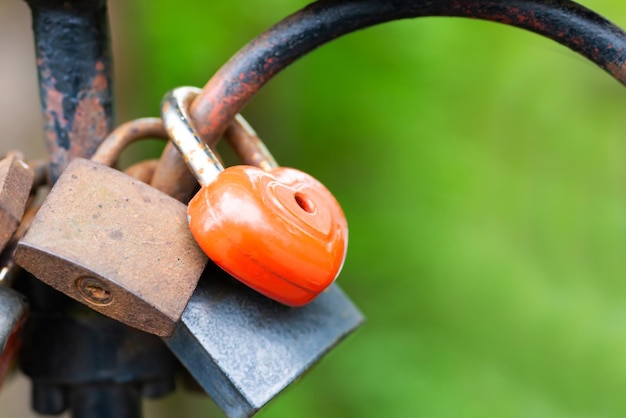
(482, 170)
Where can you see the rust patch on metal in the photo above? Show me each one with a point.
(230, 89)
(143, 170)
(145, 231)
(16, 181)
(75, 69)
(618, 70)
(110, 149)
(172, 176)
(248, 146)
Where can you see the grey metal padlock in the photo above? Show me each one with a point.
(13, 305)
(244, 349)
(13, 311)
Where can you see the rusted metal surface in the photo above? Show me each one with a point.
(172, 176)
(13, 305)
(70, 353)
(143, 170)
(40, 169)
(8, 268)
(111, 148)
(290, 232)
(125, 252)
(169, 174)
(248, 146)
(240, 79)
(197, 155)
(74, 67)
(16, 181)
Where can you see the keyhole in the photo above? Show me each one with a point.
(94, 291)
(304, 202)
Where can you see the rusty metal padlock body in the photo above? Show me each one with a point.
(116, 244)
(16, 180)
(244, 349)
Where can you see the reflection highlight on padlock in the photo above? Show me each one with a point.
(281, 232)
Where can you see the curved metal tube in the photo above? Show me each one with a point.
(248, 146)
(230, 89)
(112, 146)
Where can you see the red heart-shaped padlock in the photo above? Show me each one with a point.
(281, 233)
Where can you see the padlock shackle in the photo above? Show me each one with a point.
(247, 145)
(200, 159)
(240, 79)
(111, 148)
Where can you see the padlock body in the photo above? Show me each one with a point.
(244, 349)
(16, 181)
(13, 312)
(281, 233)
(115, 244)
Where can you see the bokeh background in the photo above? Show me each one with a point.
(482, 170)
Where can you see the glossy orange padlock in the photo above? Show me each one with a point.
(280, 231)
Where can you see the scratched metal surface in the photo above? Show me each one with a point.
(244, 349)
(12, 310)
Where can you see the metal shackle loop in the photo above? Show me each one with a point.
(199, 157)
(112, 146)
(248, 146)
(321, 22)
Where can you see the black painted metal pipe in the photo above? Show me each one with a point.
(74, 66)
(240, 79)
(77, 359)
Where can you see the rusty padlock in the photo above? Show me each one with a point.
(13, 305)
(16, 181)
(142, 171)
(115, 244)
